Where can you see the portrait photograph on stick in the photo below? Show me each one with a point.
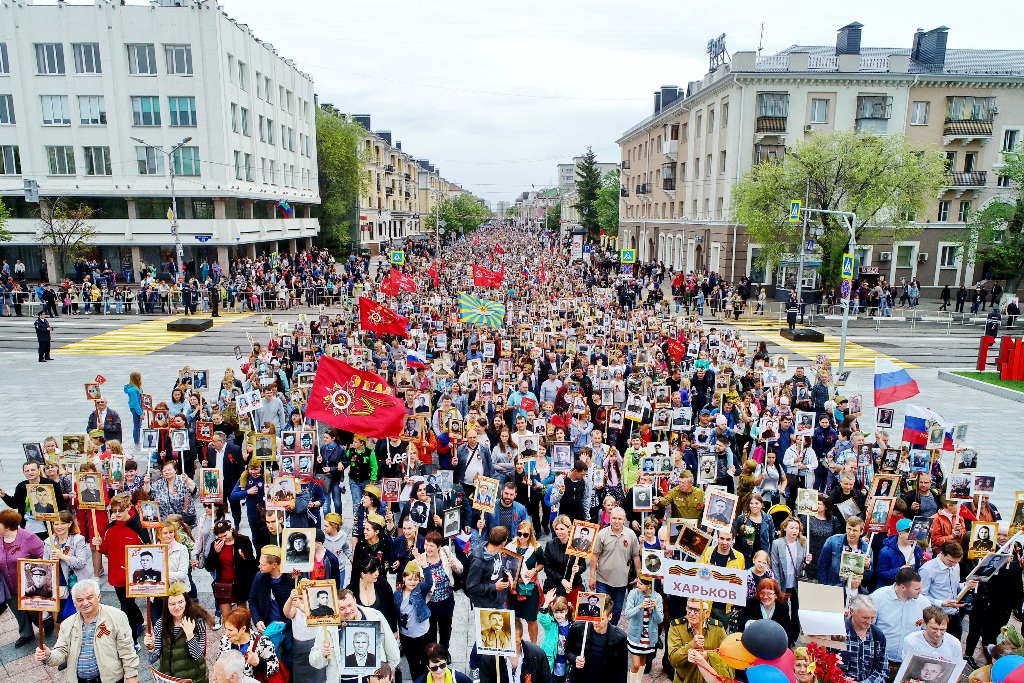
(361, 647)
(147, 571)
(495, 631)
(38, 585)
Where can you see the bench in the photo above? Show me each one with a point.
(879, 319)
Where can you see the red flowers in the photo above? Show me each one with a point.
(825, 665)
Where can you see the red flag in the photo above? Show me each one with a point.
(676, 349)
(498, 249)
(543, 272)
(388, 287)
(967, 514)
(354, 400)
(482, 277)
(100, 379)
(433, 273)
(406, 282)
(375, 317)
(476, 240)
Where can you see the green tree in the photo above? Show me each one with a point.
(66, 230)
(588, 183)
(608, 204)
(995, 234)
(340, 166)
(552, 217)
(5, 234)
(884, 180)
(460, 214)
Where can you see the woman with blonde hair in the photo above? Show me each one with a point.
(525, 596)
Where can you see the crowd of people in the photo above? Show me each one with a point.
(592, 401)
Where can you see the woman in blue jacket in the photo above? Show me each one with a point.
(414, 615)
(134, 391)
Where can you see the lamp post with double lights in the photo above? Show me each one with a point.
(171, 212)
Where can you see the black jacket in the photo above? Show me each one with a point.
(616, 660)
(535, 666)
(246, 565)
(752, 612)
(111, 425)
(16, 501)
(557, 566)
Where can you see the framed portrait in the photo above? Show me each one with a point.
(115, 474)
(150, 439)
(856, 405)
(884, 486)
(648, 465)
(936, 437)
(92, 391)
(890, 459)
(511, 564)
(289, 464)
(616, 418)
(43, 500)
(262, 446)
(884, 418)
(682, 419)
(298, 546)
(921, 528)
(486, 494)
(210, 485)
(89, 486)
(495, 631)
(412, 427)
(452, 519)
(589, 606)
(693, 541)
(321, 598)
(38, 585)
(597, 475)
(200, 380)
(707, 468)
(982, 541)
(675, 526)
(289, 443)
(920, 461)
(179, 440)
(147, 402)
(807, 502)
(984, 483)
(561, 456)
(960, 487)
(804, 423)
(1017, 518)
(960, 432)
(719, 510)
(966, 459)
(924, 669)
(147, 570)
(72, 445)
(304, 465)
(651, 562)
(851, 564)
(33, 451)
(361, 645)
(643, 498)
(282, 491)
(419, 513)
(849, 508)
(204, 431)
(879, 510)
(989, 566)
(150, 514)
(581, 539)
(390, 489)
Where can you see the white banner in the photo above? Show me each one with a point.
(705, 582)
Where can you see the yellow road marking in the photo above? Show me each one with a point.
(139, 339)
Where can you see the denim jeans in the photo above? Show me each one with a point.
(618, 596)
(334, 496)
(356, 488)
(136, 429)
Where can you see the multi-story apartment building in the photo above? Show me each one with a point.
(679, 165)
(567, 173)
(390, 207)
(87, 94)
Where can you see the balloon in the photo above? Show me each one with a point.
(734, 654)
(1004, 666)
(765, 639)
(763, 673)
(786, 664)
(1015, 676)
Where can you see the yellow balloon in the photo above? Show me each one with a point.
(734, 654)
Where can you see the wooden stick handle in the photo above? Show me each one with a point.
(149, 610)
(41, 643)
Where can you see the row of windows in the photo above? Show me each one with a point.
(289, 177)
(142, 61)
(238, 74)
(92, 110)
(963, 211)
(96, 160)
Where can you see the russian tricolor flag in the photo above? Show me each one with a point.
(892, 383)
(415, 359)
(916, 423)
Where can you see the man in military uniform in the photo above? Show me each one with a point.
(43, 330)
(323, 605)
(147, 573)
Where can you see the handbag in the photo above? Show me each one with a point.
(223, 590)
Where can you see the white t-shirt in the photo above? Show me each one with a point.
(949, 650)
(474, 467)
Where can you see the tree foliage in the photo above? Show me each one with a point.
(995, 233)
(5, 235)
(588, 184)
(552, 216)
(608, 204)
(342, 180)
(884, 180)
(67, 231)
(460, 214)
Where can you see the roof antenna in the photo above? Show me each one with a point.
(760, 41)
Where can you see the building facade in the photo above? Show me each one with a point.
(87, 94)
(679, 165)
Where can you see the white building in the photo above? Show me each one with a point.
(79, 82)
(567, 173)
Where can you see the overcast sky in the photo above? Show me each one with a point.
(497, 94)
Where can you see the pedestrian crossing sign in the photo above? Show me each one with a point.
(627, 255)
(794, 211)
(397, 257)
(847, 266)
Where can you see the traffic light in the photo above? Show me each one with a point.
(31, 191)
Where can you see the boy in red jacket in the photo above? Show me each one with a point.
(117, 537)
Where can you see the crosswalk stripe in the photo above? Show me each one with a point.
(139, 339)
(857, 356)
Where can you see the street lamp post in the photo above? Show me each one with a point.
(171, 212)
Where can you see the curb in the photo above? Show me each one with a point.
(1001, 392)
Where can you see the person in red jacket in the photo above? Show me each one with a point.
(112, 544)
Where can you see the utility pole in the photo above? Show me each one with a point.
(172, 214)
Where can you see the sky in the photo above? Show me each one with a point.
(497, 94)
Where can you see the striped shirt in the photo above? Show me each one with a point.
(87, 666)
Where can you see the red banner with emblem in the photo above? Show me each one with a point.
(433, 273)
(375, 317)
(482, 277)
(676, 349)
(388, 287)
(354, 400)
(406, 282)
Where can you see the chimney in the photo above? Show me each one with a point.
(657, 101)
(929, 49)
(384, 135)
(363, 120)
(669, 94)
(848, 40)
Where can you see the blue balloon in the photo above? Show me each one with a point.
(1004, 665)
(763, 673)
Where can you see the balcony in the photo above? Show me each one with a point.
(670, 148)
(389, 191)
(623, 191)
(668, 184)
(408, 176)
(962, 183)
(771, 125)
(642, 189)
(408, 195)
(624, 164)
(966, 131)
(389, 168)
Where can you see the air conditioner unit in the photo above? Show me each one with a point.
(808, 128)
(922, 258)
(886, 256)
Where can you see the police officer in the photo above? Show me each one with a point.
(43, 330)
(792, 308)
(992, 324)
(214, 290)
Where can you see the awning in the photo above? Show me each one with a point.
(795, 262)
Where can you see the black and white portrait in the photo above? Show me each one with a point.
(147, 570)
(419, 513)
(452, 522)
(321, 602)
(298, 549)
(37, 585)
(719, 510)
(361, 647)
(643, 498)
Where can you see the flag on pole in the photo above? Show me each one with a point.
(482, 277)
(406, 282)
(354, 400)
(918, 420)
(375, 317)
(415, 359)
(892, 383)
(433, 273)
(388, 287)
(676, 349)
(480, 311)
(498, 249)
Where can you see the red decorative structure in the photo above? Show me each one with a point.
(983, 347)
(1010, 363)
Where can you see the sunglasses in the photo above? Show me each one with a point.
(523, 534)
(438, 667)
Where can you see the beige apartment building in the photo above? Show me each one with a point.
(679, 164)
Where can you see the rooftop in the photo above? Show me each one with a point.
(958, 62)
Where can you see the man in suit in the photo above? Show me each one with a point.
(227, 457)
(91, 491)
(591, 608)
(41, 503)
(361, 655)
(106, 419)
(583, 540)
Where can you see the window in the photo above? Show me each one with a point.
(234, 117)
(7, 110)
(97, 160)
(970, 161)
(142, 60)
(5, 65)
(291, 100)
(284, 136)
(248, 167)
(696, 167)
(179, 59)
(873, 113)
(259, 124)
(700, 126)
(87, 58)
(49, 59)
(245, 122)
(819, 111)
(950, 162)
(182, 110)
(905, 256)
(707, 167)
(146, 111)
(273, 171)
(151, 162)
(185, 161)
(266, 88)
(238, 165)
(259, 85)
(711, 120)
(919, 114)
(280, 95)
(56, 110)
(243, 79)
(943, 212)
(725, 116)
(231, 69)
(92, 111)
(10, 160)
(970, 108)
(682, 177)
(1010, 137)
(263, 162)
(721, 161)
(61, 160)
(773, 104)
(270, 131)
(947, 257)
(964, 213)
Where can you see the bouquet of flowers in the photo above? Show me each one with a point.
(825, 665)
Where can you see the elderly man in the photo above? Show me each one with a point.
(106, 419)
(230, 668)
(692, 639)
(326, 647)
(614, 548)
(686, 501)
(900, 609)
(96, 643)
(864, 659)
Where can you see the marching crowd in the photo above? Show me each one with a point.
(590, 391)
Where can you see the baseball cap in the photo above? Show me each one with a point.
(903, 525)
(705, 411)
